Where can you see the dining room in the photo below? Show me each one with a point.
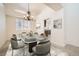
(37, 29)
(31, 27)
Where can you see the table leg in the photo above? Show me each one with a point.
(31, 45)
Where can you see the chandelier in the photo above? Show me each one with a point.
(28, 15)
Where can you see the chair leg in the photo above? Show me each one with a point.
(50, 54)
(12, 52)
(24, 51)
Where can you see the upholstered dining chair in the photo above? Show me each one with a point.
(42, 49)
(14, 45)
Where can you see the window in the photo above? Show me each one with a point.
(22, 24)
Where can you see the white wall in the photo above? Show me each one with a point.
(2, 25)
(47, 13)
(71, 16)
(57, 35)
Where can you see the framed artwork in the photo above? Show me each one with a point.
(57, 24)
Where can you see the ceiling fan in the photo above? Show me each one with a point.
(28, 16)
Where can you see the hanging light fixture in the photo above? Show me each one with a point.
(28, 16)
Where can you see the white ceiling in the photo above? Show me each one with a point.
(20, 9)
(55, 6)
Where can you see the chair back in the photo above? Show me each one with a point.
(14, 43)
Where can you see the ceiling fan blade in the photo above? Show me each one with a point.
(20, 11)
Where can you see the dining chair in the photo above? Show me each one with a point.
(42, 49)
(15, 46)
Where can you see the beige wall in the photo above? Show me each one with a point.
(2, 25)
(11, 26)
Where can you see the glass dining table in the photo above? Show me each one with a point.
(32, 41)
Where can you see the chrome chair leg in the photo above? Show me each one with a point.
(24, 51)
(12, 52)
